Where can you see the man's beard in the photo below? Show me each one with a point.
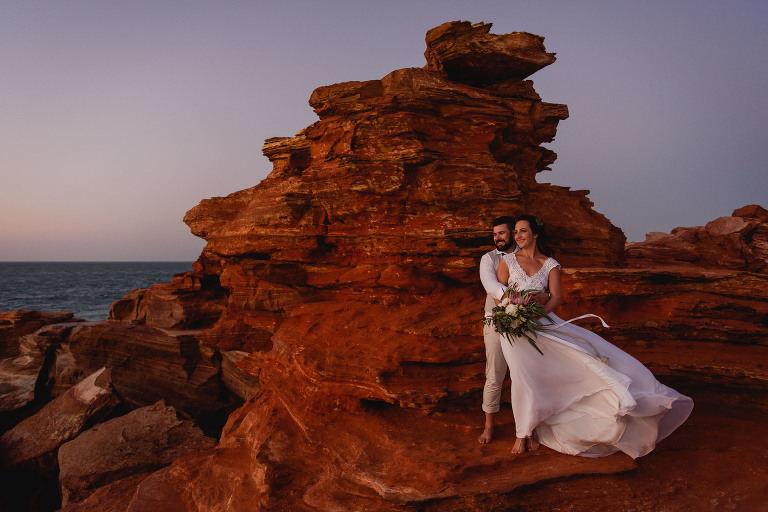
(505, 247)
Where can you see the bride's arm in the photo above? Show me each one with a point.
(502, 274)
(554, 289)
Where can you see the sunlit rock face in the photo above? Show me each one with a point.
(409, 169)
(693, 302)
(351, 281)
(369, 228)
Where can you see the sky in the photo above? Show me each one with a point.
(116, 117)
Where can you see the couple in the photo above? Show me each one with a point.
(584, 396)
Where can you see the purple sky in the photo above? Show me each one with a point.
(118, 117)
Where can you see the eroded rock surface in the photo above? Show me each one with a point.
(192, 300)
(23, 357)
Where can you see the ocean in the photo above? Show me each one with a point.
(86, 289)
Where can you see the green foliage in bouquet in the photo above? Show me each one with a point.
(518, 315)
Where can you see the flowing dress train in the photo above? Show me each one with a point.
(576, 403)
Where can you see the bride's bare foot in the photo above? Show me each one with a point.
(533, 444)
(487, 436)
(519, 446)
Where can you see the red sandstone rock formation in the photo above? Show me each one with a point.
(739, 242)
(341, 295)
(114, 497)
(331, 282)
(350, 275)
(350, 279)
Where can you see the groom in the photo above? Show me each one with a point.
(495, 365)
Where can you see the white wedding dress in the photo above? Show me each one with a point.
(577, 404)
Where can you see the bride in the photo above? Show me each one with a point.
(584, 396)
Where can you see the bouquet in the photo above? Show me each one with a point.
(519, 315)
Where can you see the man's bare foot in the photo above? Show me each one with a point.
(487, 436)
(533, 444)
(519, 446)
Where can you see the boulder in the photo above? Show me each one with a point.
(469, 53)
(143, 440)
(191, 300)
(114, 497)
(15, 324)
(34, 442)
(28, 376)
(18, 379)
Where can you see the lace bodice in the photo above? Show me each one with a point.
(537, 281)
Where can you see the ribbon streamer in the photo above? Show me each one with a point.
(597, 355)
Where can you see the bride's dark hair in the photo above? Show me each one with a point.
(537, 226)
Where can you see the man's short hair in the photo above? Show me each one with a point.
(504, 219)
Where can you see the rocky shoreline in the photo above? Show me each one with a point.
(325, 351)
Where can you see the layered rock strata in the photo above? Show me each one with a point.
(327, 285)
(350, 276)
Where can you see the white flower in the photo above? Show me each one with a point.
(511, 309)
(504, 302)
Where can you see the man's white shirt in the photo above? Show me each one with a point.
(489, 264)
